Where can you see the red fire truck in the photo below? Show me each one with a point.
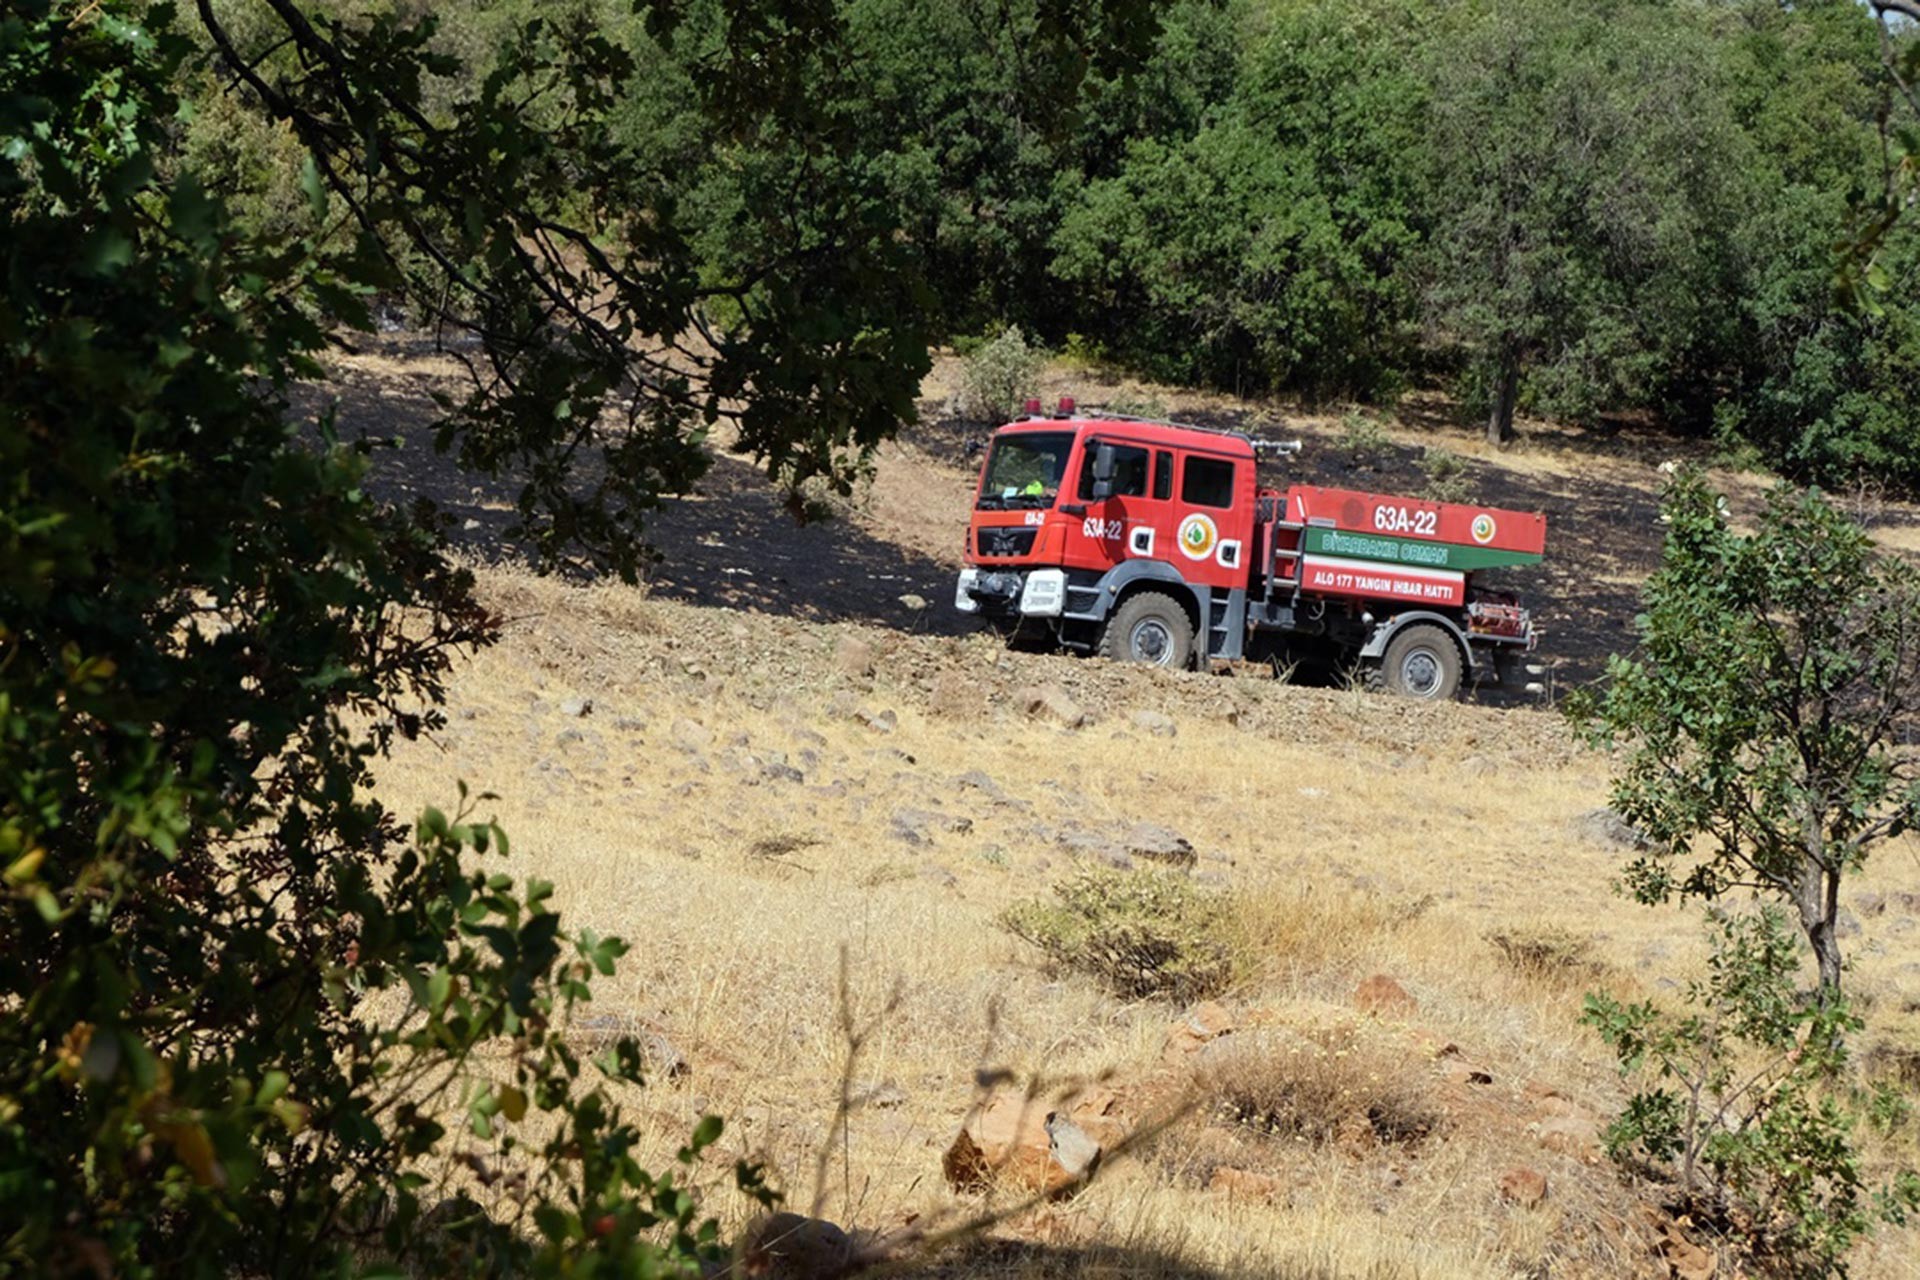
(1154, 542)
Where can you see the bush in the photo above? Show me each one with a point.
(1447, 479)
(1143, 934)
(1742, 1101)
(1363, 439)
(1551, 953)
(999, 375)
(1344, 1081)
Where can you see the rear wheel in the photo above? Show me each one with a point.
(1421, 661)
(1150, 627)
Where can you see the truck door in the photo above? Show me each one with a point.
(1110, 531)
(1215, 519)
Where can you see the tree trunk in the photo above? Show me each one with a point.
(1506, 390)
(1819, 904)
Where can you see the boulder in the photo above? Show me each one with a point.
(576, 707)
(1196, 1028)
(691, 736)
(1031, 1144)
(1605, 826)
(882, 721)
(1523, 1186)
(1157, 844)
(1382, 997)
(1153, 722)
(1051, 702)
(790, 1246)
(854, 656)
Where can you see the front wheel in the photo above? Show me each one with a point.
(1150, 627)
(1421, 661)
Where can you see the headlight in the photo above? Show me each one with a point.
(1045, 594)
(963, 593)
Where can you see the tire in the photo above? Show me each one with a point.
(1149, 627)
(1422, 661)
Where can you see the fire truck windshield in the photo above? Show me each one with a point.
(1024, 470)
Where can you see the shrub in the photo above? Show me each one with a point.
(1142, 933)
(1346, 1080)
(999, 375)
(1742, 1101)
(1363, 439)
(1549, 953)
(1446, 473)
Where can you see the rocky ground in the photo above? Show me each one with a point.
(809, 798)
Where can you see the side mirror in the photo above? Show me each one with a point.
(1103, 472)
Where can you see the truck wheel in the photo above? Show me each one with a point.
(1421, 661)
(1152, 628)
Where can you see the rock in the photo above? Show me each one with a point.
(1050, 702)
(1013, 1138)
(1870, 904)
(659, 1053)
(1605, 826)
(782, 772)
(1905, 903)
(690, 736)
(912, 601)
(1523, 1186)
(1846, 924)
(629, 724)
(986, 786)
(854, 656)
(788, 1246)
(1685, 1259)
(1158, 844)
(567, 737)
(1571, 1133)
(576, 707)
(1160, 726)
(1244, 1184)
(882, 721)
(1197, 1027)
(884, 1096)
(936, 874)
(954, 695)
(1382, 997)
(1458, 1070)
(914, 825)
(1071, 1147)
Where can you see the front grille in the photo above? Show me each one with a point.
(1004, 541)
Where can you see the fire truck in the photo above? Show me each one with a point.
(1155, 542)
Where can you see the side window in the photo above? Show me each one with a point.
(1208, 482)
(1163, 475)
(1129, 473)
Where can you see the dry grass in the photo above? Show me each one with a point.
(1355, 835)
(1342, 1080)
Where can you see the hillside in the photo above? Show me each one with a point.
(807, 803)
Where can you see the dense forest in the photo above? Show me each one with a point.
(1626, 208)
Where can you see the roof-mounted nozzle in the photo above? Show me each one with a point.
(1275, 448)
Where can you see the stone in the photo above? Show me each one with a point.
(1605, 826)
(1244, 1184)
(576, 707)
(662, 1057)
(1157, 844)
(1197, 1027)
(1846, 924)
(1571, 1133)
(954, 696)
(1382, 997)
(790, 1246)
(977, 780)
(782, 772)
(1870, 904)
(1051, 702)
(912, 601)
(1524, 1186)
(935, 874)
(882, 721)
(855, 656)
(1013, 1138)
(1458, 1070)
(629, 724)
(1160, 726)
(690, 736)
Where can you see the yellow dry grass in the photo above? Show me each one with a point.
(1361, 835)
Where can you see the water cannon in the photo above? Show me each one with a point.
(1275, 448)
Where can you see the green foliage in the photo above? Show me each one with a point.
(1142, 934)
(1777, 675)
(1000, 374)
(1363, 439)
(1740, 1098)
(1446, 476)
